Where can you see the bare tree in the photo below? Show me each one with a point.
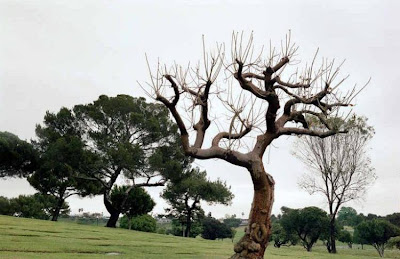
(340, 168)
(255, 90)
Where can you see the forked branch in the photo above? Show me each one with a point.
(311, 93)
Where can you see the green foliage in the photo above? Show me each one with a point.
(377, 233)
(214, 229)
(132, 138)
(360, 124)
(185, 193)
(357, 238)
(370, 216)
(347, 216)
(133, 202)
(17, 157)
(281, 237)
(394, 219)
(144, 223)
(345, 237)
(178, 228)
(124, 222)
(354, 123)
(307, 223)
(131, 135)
(233, 233)
(275, 218)
(36, 206)
(63, 159)
(325, 235)
(394, 242)
(63, 163)
(196, 228)
(64, 156)
(5, 206)
(161, 230)
(232, 221)
(193, 184)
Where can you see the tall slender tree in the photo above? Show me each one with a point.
(340, 168)
(262, 104)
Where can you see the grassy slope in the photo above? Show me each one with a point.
(28, 238)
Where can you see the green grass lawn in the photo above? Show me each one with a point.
(29, 238)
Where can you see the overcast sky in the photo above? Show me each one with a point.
(62, 53)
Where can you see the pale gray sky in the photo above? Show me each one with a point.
(62, 53)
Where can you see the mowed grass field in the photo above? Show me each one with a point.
(29, 238)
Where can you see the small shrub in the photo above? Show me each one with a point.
(394, 242)
(162, 230)
(345, 237)
(145, 223)
(213, 229)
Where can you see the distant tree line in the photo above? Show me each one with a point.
(308, 225)
(38, 206)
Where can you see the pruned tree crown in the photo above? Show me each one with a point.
(263, 102)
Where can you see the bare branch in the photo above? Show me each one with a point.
(286, 84)
(227, 135)
(248, 85)
(309, 132)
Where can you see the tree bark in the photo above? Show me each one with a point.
(112, 221)
(332, 236)
(380, 249)
(129, 223)
(188, 224)
(57, 210)
(114, 213)
(328, 245)
(255, 241)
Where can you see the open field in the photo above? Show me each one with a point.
(29, 238)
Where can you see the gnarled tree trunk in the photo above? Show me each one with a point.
(255, 241)
(114, 213)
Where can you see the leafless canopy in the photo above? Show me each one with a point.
(264, 95)
(340, 168)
